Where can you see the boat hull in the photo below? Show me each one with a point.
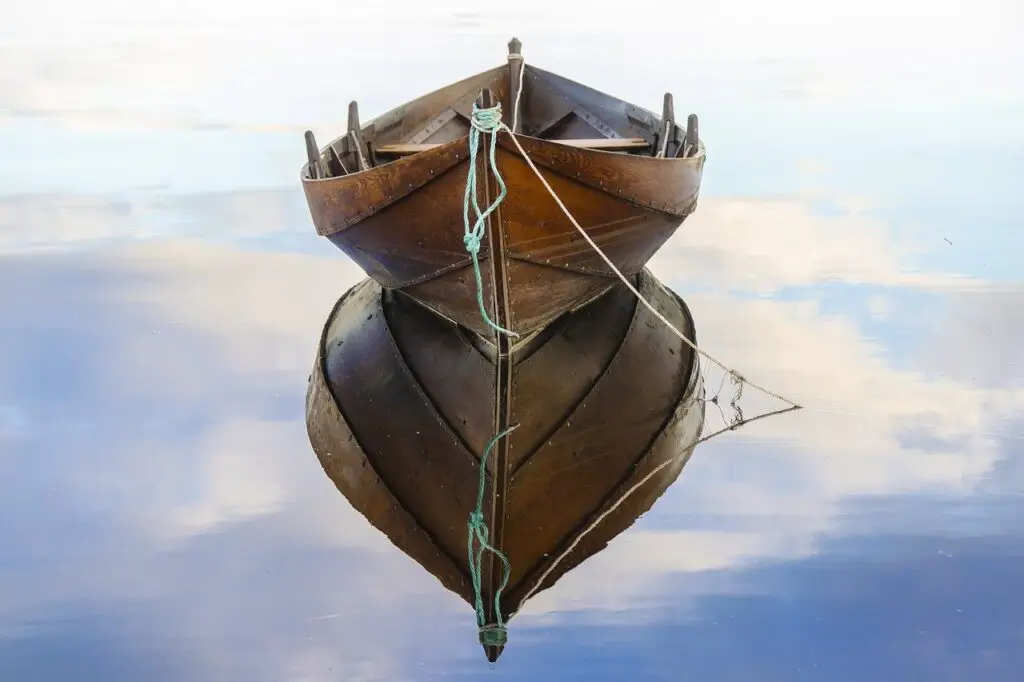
(403, 221)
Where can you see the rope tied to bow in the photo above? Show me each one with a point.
(483, 122)
(495, 633)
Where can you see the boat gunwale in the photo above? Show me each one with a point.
(437, 155)
(699, 155)
(402, 110)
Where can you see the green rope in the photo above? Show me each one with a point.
(494, 634)
(483, 121)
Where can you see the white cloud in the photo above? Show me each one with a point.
(239, 477)
(196, 62)
(35, 222)
(879, 306)
(642, 566)
(983, 330)
(765, 244)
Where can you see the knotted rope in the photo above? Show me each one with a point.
(483, 121)
(493, 634)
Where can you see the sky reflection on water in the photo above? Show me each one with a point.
(161, 294)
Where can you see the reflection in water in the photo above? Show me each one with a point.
(190, 534)
(607, 406)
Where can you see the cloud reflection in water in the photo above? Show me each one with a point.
(172, 520)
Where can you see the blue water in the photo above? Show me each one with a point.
(162, 289)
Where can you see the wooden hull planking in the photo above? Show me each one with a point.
(401, 220)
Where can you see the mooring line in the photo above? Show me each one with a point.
(489, 121)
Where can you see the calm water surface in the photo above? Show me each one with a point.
(857, 246)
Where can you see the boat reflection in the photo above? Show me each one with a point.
(606, 405)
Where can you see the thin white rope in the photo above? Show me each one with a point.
(611, 265)
(519, 92)
(629, 284)
(338, 157)
(354, 142)
(664, 139)
(632, 489)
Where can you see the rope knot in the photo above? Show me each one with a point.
(493, 635)
(486, 120)
(482, 122)
(472, 241)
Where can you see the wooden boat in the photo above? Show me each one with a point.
(401, 404)
(391, 193)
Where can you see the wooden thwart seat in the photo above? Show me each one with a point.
(597, 143)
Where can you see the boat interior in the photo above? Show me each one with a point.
(550, 107)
